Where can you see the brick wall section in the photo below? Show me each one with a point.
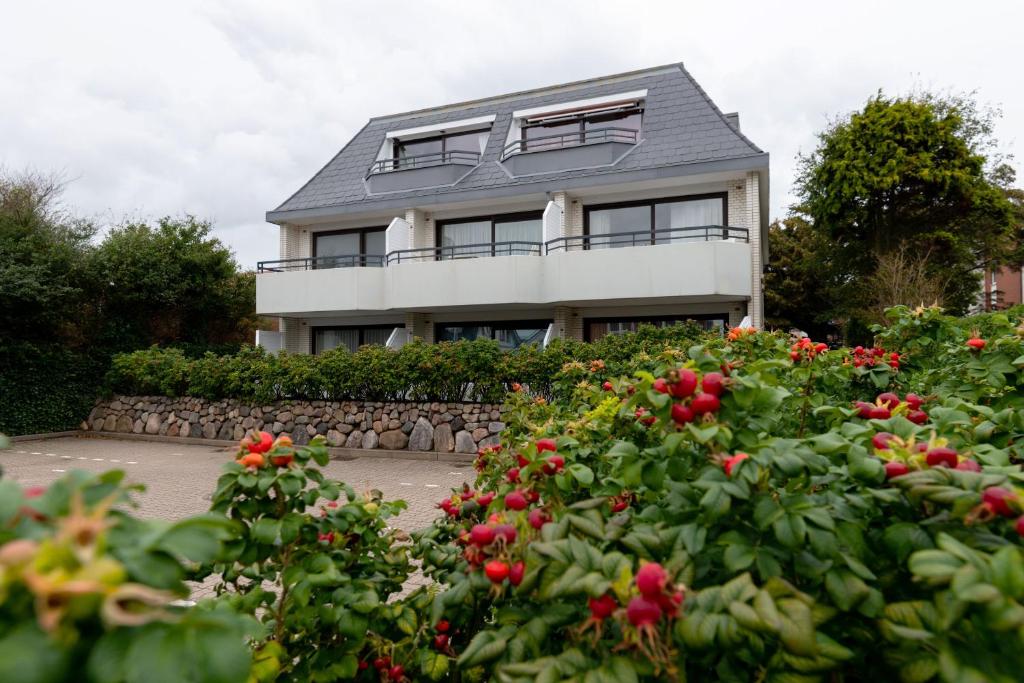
(421, 226)
(443, 427)
(296, 335)
(420, 325)
(574, 218)
(562, 200)
(568, 323)
(737, 203)
(753, 224)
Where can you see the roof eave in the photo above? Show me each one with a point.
(751, 162)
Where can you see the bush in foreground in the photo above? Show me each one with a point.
(759, 508)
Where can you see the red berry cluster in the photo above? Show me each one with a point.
(874, 356)
(487, 545)
(887, 404)
(482, 456)
(997, 501)
(806, 350)
(394, 673)
(682, 385)
(441, 637)
(903, 456)
(658, 597)
(465, 501)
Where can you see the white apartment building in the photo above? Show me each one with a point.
(575, 211)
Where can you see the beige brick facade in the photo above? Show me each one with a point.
(753, 224)
(568, 323)
(421, 227)
(296, 335)
(420, 325)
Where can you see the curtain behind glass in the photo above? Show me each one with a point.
(605, 224)
(377, 335)
(517, 231)
(342, 245)
(459, 235)
(332, 339)
(688, 214)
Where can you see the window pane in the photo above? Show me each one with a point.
(458, 235)
(344, 245)
(513, 338)
(466, 142)
(517, 231)
(414, 148)
(326, 339)
(689, 214)
(456, 332)
(552, 136)
(630, 122)
(607, 225)
(375, 243)
(377, 335)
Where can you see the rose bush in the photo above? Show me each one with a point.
(748, 507)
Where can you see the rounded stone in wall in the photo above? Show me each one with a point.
(444, 441)
(394, 440)
(354, 440)
(370, 439)
(464, 442)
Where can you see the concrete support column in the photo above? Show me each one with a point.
(753, 224)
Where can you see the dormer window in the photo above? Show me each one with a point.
(579, 134)
(618, 124)
(442, 148)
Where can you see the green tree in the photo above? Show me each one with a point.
(916, 171)
(173, 282)
(43, 252)
(798, 281)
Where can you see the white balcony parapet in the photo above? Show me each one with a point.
(548, 336)
(396, 237)
(669, 273)
(398, 338)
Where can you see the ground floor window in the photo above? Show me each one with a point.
(350, 337)
(509, 334)
(595, 328)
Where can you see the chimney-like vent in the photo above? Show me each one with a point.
(734, 119)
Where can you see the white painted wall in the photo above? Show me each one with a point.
(552, 222)
(653, 274)
(396, 237)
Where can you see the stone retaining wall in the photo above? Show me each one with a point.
(443, 427)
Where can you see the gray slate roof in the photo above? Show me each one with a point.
(683, 132)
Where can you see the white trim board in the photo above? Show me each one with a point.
(580, 104)
(448, 127)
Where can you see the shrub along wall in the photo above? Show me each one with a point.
(450, 371)
(424, 426)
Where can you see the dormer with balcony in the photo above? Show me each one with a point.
(590, 133)
(428, 156)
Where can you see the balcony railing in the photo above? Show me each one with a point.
(424, 161)
(461, 251)
(323, 262)
(642, 238)
(575, 139)
(639, 238)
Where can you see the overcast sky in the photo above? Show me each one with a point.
(222, 109)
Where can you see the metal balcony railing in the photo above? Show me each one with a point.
(446, 253)
(641, 238)
(323, 262)
(636, 238)
(424, 161)
(575, 139)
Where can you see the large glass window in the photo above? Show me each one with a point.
(439, 148)
(595, 328)
(348, 248)
(659, 221)
(509, 334)
(619, 125)
(515, 234)
(351, 338)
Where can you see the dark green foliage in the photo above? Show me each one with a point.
(449, 371)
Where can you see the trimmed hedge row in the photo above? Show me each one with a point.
(449, 371)
(46, 388)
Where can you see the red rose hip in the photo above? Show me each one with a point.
(496, 570)
(651, 579)
(703, 404)
(643, 611)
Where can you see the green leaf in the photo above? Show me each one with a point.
(27, 655)
(581, 473)
(266, 530)
(433, 665)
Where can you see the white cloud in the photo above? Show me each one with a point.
(222, 109)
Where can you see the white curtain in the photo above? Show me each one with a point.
(462, 234)
(689, 214)
(517, 231)
(332, 339)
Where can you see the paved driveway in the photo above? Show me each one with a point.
(179, 479)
